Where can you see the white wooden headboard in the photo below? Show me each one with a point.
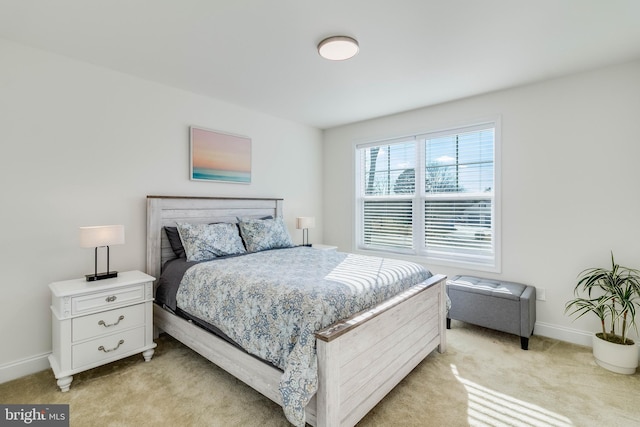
(167, 210)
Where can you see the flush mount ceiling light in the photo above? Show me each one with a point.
(338, 48)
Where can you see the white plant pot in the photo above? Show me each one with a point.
(619, 358)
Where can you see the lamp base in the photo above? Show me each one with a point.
(101, 276)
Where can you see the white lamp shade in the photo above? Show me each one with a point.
(101, 235)
(305, 222)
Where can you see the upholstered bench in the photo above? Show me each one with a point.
(495, 304)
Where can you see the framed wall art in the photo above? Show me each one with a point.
(218, 156)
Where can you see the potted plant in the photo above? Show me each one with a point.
(613, 295)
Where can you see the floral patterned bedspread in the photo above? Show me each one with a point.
(271, 303)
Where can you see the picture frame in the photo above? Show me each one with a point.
(219, 157)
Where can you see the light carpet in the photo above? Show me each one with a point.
(484, 379)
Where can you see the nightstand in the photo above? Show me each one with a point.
(324, 247)
(95, 323)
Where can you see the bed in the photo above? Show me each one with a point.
(360, 358)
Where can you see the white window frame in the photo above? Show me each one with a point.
(419, 251)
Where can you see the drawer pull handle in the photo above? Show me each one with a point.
(101, 348)
(112, 324)
(112, 298)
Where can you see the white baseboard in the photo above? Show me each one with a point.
(21, 368)
(574, 336)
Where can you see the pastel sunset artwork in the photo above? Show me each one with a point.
(218, 156)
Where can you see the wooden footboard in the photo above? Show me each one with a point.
(364, 357)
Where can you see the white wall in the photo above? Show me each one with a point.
(570, 176)
(82, 145)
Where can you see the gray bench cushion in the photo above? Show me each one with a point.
(494, 288)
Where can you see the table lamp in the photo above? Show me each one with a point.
(304, 223)
(100, 236)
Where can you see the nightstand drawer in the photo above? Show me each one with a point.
(107, 347)
(106, 300)
(107, 322)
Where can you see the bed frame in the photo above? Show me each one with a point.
(360, 359)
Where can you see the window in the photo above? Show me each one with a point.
(431, 195)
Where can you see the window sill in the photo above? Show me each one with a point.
(430, 261)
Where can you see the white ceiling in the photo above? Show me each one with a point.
(261, 54)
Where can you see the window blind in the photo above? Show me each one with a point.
(388, 188)
(458, 198)
(388, 223)
(431, 195)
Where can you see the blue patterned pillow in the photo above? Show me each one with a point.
(207, 241)
(263, 234)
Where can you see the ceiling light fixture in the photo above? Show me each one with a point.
(338, 48)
